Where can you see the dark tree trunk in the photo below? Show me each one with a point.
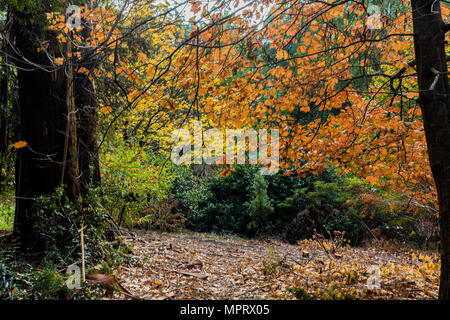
(429, 32)
(41, 113)
(86, 101)
(4, 100)
(59, 147)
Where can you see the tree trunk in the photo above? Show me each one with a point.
(87, 134)
(56, 143)
(41, 113)
(431, 65)
(4, 100)
(86, 100)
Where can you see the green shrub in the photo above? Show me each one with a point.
(47, 280)
(192, 195)
(6, 217)
(274, 262)
(49, 283)
(58, 232)
(57, 224)
(134, 181)
(228, 204)
(220, 203)
(216, 203)
(335, 292)
(260, 207)
(15, 276)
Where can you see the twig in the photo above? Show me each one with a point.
(371, 233)
(185, 273)
(83, 273)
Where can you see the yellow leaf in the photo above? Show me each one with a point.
(20, 144)
(142, 56)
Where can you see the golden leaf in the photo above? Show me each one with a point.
(59, 61)
(20, 144)
(107, 110)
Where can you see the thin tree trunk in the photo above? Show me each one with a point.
(70, 156)
(4, 100)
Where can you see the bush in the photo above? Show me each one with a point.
(351, 205)
(15, 277)
(230, 204)
(134, 180)
(216, 203)
(318, 214)
(260, 207)
(57, 224)
(329, 204)
(49, 283)
(57, 229)
(21, 280)
(223, 203)
(6, 217)
(162, 217)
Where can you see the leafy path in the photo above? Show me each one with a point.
(203, 266)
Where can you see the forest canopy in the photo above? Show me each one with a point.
(297, 120)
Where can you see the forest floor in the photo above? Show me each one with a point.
(205, 266)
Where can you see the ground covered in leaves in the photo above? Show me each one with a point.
(202, 266)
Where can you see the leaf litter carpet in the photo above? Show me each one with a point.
(205, 266)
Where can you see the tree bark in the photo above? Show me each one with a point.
(429, 33)
(41, 113)
(86, 101)
(4, 100)
(57, 131)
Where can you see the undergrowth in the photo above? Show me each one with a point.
(27, 273)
